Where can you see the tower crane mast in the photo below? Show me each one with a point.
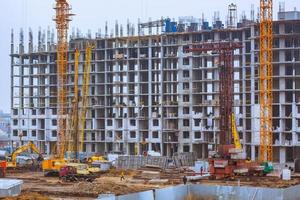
(62, 19)
(265, 80)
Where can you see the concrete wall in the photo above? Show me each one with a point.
(217, 192)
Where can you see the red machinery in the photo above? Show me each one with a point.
(69, 173)
(3, 166)
(225, 50)
(229, 159)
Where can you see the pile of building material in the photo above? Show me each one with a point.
(151, 174)
(184, 159)
(135, 162)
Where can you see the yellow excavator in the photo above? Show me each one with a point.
(12, 163)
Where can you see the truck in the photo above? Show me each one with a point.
(74, 172)
(52, 166)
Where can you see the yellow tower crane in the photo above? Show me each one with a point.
(265, 80)
(62, 19)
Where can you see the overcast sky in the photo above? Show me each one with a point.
(92, 14)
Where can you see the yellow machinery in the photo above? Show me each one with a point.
(84, 169)
(265, 80)
(51, 167)
(84, 93)
(235, 134)
(78, 115)
(62, 19)
(30, 145)
(73, 138)
(95, 158)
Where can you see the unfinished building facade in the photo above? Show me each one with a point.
(147, 93)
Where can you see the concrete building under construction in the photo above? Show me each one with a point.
(147, 92)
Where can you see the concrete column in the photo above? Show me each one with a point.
(253, 152)
(149, 146)
(203, 150)
(282, 153)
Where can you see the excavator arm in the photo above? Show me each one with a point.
(21, 149)
(35, 149)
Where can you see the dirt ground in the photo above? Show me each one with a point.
(272, 182)
(38, 187)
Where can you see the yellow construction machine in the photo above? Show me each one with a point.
(51, 167)
(235, 134)
(12, 163)
(92, 159)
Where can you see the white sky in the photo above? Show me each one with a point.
(92, 14)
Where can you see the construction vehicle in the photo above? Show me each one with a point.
(3, 166)
(228, 158)
(76, 172)
(12, 162)
(92, 159)
(51, 167)
(69, 173)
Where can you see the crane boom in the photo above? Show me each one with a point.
(73, 128)
(62, 20)
(265, 80)
(85, 91)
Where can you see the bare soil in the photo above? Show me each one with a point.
(38, 187)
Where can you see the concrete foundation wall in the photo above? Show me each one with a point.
(217, 192)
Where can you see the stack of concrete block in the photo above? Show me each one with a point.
(135, 162)
(185, 159)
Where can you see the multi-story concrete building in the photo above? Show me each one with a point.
(148, 93)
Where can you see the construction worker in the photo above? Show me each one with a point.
(248, 160)
(184, 179)
(122, 176)
(201, 171)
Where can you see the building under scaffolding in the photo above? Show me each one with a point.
(147, 92)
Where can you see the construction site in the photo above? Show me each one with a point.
(180, 109)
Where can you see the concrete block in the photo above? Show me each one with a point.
(10, 187)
